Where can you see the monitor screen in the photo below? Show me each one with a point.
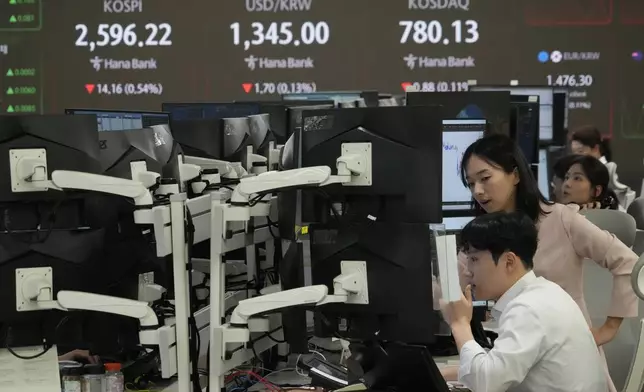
(543, 180)
(123, 120)
(210, 110)
(546, 98)
(457, 137)
(358, 98)
(456, 223)
(324, 96)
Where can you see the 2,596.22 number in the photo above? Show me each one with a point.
(116, 34)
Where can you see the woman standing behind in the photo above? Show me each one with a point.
(589, 141)
(499, 177)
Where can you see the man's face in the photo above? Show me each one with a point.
(489, 279)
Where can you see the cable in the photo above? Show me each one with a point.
(256, 376)
(194, 341)
(51, 219)
(46, 346)
(208, 367)
(7, 341)
(275, 340)
(272, 224)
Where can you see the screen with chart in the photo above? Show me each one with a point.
(120, 121)
(457, 137)
(546, 98)
(136, 54)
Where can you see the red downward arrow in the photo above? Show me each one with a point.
(247, 87)
(90, 88)
(404, 85)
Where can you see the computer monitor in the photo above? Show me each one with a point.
(180, 111)
(279, 116)
(406, 155)
(359, 98)
(560, 116)
(395, 367)
(70, 143)
(76, 258)
(154, 146)
(398, 261)
(54, 229)
(119, 120)
(546, 99)
(543, 174)
(547, 160)
(294, 114)
(457, 136)
(261, 134)
(491, 106)
(222, 139)
(290, 159)
(524, 126)
(455, 224)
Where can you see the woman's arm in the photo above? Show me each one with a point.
(589, 241)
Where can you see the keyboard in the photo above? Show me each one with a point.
(457, 387)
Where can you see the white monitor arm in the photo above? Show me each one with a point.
(348, 287)
(28, 171)
(34, 292)
(63, 179)
(226, 169)
(354, 168)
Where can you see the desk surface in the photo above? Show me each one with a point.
(442, 362)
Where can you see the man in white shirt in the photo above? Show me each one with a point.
(544, 343)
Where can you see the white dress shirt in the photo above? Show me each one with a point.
(544, 345)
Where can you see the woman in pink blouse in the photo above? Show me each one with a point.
(499, 177)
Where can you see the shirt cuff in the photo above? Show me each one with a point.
(469, 351)
(624, 302)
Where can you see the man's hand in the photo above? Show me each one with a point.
(449, 373)
(79, 356)
(459, 312)
(606, 332)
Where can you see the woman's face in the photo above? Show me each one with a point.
(491, 186)
(577, 188)
(582, 149)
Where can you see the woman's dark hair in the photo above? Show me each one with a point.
(590, 136)
(597, 175)
(501, 151)
(561, 165)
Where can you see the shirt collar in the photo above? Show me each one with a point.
(603, 160)
(514, 291)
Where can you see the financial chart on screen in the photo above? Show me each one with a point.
(458, 135)
(136, 54)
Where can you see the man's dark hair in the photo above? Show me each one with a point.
(501, 232)
(561, 165)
